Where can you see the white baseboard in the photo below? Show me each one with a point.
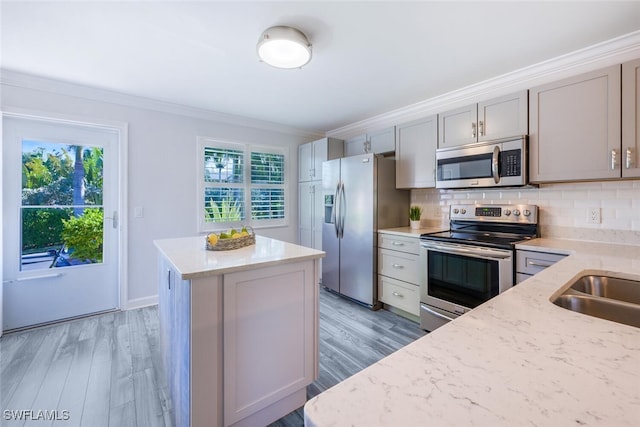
(141, 302)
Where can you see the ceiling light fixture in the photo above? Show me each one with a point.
(284, 47)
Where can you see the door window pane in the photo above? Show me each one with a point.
(61, 212)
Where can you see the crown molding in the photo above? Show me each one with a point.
(30, 81)
(613, 51)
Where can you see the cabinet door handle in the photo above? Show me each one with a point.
(614, 159)
(397, 294)
(397, 265)
(169, 278)
(481, 127)
(629, 158)
(473, 130)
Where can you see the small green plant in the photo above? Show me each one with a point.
(83, 234)
(415, 212)
(228, 210)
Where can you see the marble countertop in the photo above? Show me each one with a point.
(516, 360)
(191, 259)
(411, 232)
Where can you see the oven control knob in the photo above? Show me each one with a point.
(526, 212)
(507, 212)
(455, 211)
(463, 211)
(516, 212)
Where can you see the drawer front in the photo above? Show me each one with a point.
(530, 262)
(398, 265)
(404, 296)
(399, 243)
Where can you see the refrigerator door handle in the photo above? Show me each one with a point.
(343, 206)
(335, 216)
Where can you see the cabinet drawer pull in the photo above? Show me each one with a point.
(394, 243)
(397, 265)
(397, 294)
(539, 264)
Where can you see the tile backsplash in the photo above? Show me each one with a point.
(564, 207)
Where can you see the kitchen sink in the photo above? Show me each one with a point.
(609, 287)
(605, 297)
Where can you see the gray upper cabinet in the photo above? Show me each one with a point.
(458, 127)
(631, 119)
(489, 120)
(416, 143)
(503, 117)
(575, 130)
(312, 154)
(382, 141)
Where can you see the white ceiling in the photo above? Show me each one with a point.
(368, 57)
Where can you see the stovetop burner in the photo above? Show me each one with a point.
(498, 226)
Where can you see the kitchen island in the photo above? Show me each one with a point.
(517, 359)
(239, 329)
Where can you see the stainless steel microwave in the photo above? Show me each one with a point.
(501, 163)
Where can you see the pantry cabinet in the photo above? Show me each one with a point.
(382, 141)
(310, 214)
(310, 207)
(312, 154)
(497, 118)
(575, 128)
(631, 119)
(416, 143)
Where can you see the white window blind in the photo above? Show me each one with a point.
(241, 184)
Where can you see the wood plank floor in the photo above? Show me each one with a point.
(107, 370)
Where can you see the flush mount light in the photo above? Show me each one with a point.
(284, 47)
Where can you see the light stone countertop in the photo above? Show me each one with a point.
(192, 260)
(410, 232)
(516, 360)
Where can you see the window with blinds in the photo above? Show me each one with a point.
(241, 185)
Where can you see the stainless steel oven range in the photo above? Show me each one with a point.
(473, 261)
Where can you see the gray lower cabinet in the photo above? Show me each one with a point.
(398, 272)
(529, 263)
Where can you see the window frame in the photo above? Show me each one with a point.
(246, 185)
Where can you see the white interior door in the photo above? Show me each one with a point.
(60, 242)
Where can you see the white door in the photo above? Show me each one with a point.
(60, 248)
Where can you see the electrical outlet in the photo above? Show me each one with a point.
(594, 216)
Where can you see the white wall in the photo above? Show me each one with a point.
(161, 166)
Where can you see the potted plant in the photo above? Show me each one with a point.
(414, 216)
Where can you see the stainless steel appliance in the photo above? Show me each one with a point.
(488, 164)
(360, 196)
(473, 261)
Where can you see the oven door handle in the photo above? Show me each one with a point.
(435, 313)
(478, 253)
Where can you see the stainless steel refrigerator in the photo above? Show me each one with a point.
(360, 197)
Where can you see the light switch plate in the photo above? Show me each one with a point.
(138, 212)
